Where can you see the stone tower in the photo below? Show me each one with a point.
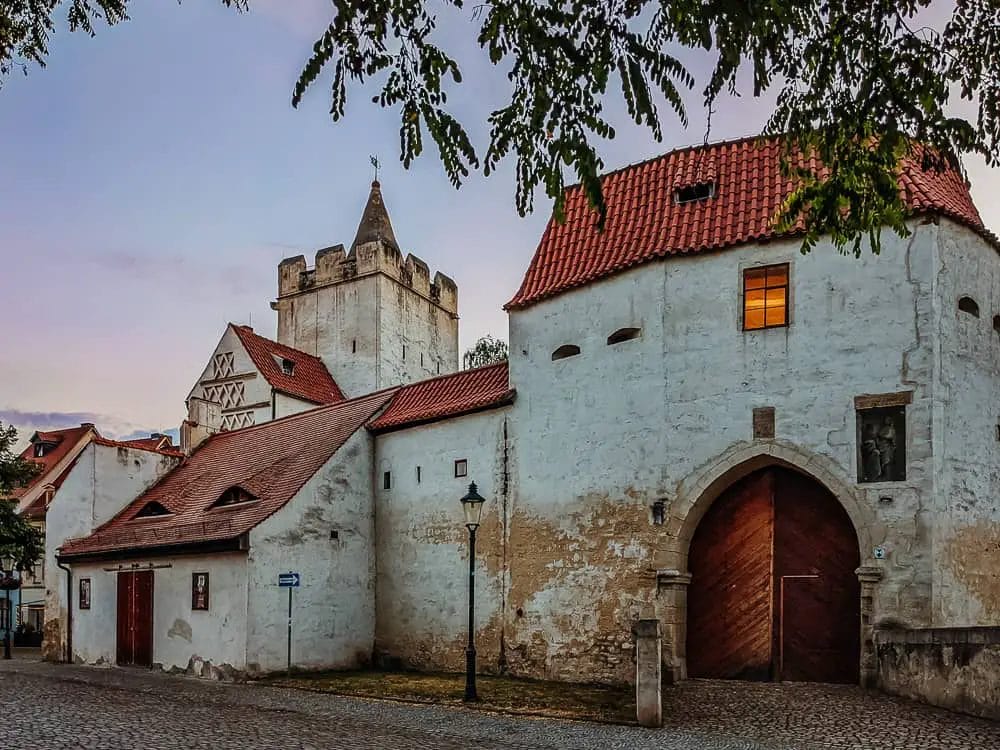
(374, 318)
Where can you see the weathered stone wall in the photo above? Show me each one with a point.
(954, 668)
(601, 436)
(325, 534)
(593, 441)
(423, 545)
(967, 432)
(358, 311)
(103, 480)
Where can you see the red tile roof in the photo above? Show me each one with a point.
(645, 223)
(38, 506)
(271, 461)
(64, 441)
(152, 445)
(310, 380)
(446, 396)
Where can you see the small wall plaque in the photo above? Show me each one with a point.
(199, 591)
(763, 423)
(84, 593)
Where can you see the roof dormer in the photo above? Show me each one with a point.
(235, 495)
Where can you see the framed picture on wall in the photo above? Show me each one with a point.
(199, 591)
(84, 593)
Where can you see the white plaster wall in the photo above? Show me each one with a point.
(600, 436)
(422, 542)
(95, 629)
(196, 640)
(285, 405)
(429, 333)
(967, 443)
(338, 324)
(102, 482)
(183, 639)
(334, 609)
(256, 389)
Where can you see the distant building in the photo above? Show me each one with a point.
(789, 460)
(57, 452)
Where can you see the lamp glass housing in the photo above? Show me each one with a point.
(472, 505)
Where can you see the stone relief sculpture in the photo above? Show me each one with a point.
(881, 448)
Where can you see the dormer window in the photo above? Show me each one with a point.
(287, 366)
(40, 449)
(233, 496)
(152, 509)
(699, 191)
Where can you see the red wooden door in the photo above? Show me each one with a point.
(817, 618)
(730, 598)
(135, 618)
(773, 593)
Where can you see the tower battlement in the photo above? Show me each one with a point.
(334, 265)
(375, 317)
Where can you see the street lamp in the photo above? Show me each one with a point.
(7, 583)
(472, 506)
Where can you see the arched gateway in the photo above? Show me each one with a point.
(774, 593)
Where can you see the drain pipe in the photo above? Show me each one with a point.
(69, 609)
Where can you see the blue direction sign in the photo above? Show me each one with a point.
(288, 580)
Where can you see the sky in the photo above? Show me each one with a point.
(154, 176)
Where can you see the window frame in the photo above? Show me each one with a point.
(744, 271)
(464, 463)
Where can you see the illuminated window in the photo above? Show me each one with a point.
(765, 297)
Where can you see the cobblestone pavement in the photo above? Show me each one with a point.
(55, 707)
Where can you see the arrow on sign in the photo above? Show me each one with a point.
(288, 580)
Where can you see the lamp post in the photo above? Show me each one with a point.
(7, 583)
(472, 505)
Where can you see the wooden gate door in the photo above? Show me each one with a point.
(817, 615)
(773, 592)
(135, 618)
(729, 600)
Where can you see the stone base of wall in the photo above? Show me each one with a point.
(954, 668)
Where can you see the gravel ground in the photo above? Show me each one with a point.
(57, 706)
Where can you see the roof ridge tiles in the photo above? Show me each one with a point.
(646, 222)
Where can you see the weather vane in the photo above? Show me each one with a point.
(375, 163)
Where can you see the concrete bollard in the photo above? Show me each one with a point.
(648, 695)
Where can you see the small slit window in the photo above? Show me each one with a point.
(969, 305)
(996, 323)
(699, 191)
(387, 480)
(765, 297)
(152, 509)
(233, 496)
(564, 351)
(624, 334)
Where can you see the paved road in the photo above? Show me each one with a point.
(56, 707)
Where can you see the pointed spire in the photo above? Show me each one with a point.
(375, 224)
